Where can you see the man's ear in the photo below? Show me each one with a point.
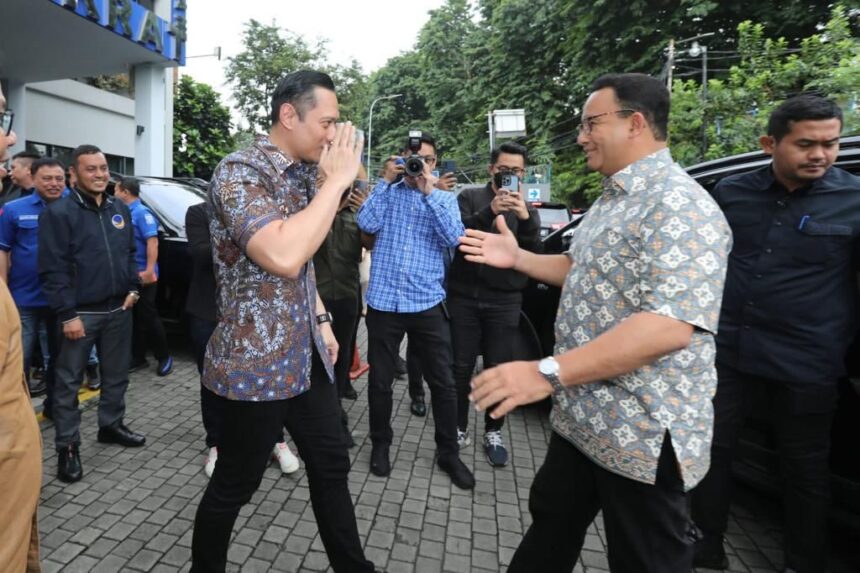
(638, 124)
(768, 143)
(287, 115)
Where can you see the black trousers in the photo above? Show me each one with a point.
(648, 527)
(148, 332)
(413, 372)
(481, 326)
(249, 433)
(110, 332)
(211, 408)
(802, 427)
(429, 331)
(344, 321)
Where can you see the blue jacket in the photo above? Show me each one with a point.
(86, 255)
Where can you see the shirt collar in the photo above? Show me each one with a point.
(769, 181)
(282, 162)
(35, 198)
(629, 179)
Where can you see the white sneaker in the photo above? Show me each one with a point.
(288, 461)
(209, 466)
(463, 438)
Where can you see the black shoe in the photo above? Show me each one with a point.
(135, 366)
(418, 407)
(93, 381)
(121, 435)
(710, 554)
(69, 467)
(349, 393)
(457, 471)
(37, 388)
(379, 463)
(165, 366)
(38, 373)
(399, 367)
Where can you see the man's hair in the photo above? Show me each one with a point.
(641, 93)
(31, 155)
(385, 165)
(131, 184)
(799, 108)
(297, 89)
(425, 138)
(46, 162)
(510, 148)
(85, 149)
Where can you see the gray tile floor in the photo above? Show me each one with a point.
(134, 509)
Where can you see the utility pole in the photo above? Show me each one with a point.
(671, 64)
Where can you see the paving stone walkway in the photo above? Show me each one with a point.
(134, 508)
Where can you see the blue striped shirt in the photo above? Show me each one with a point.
(414, 233)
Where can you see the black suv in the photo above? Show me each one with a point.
(757, 461)
(169, 199)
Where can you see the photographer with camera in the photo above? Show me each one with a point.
(415, 224)
(485, 301)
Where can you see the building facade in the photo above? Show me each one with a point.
(50, 50)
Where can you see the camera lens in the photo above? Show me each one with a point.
(414, 166)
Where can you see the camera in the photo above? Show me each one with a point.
(414, 165)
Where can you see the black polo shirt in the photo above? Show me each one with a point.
(789, 302)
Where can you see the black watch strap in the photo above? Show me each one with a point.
(325, 317)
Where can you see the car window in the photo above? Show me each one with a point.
(553, 216)
(170, 200)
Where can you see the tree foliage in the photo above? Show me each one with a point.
(201, 129)
(269, 53)
(475, 56)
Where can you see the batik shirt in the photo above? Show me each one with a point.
(262, 348)
(656, 242)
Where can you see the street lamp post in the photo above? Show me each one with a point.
(697, 50)
(370, 127)
(672, 45)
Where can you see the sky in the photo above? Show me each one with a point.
(371, 31)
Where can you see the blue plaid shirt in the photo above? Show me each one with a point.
(414, 233)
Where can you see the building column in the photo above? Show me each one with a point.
(153, 114)
(16, 100)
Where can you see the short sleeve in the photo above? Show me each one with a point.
(685, 245)
(241, 200)
(147, 224)
(7, 229)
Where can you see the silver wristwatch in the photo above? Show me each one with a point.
(549, 369)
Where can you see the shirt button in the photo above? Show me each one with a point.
(778, 223)
(781, 203)
(758, 275)
(768, 250)
(750, 303)
(746, 327)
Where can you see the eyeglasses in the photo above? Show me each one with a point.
(504, 170)
(588, 122)
(431, 159)
(6, 122)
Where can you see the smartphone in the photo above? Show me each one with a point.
(511, 182)
(449, 166)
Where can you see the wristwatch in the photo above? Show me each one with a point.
(549, 369)
(135, 294)
(325, 317)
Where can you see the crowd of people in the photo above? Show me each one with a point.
(671, 323)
